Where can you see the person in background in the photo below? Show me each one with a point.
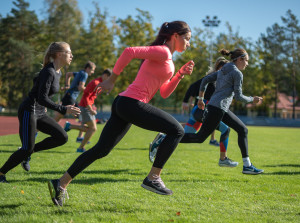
(88, 123)
(194, 123)
(73, 90)
(229, 82)
(32, 112)
(131, 106)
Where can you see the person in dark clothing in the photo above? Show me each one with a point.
(192, 125)
(32, 112)
(195, 122)
(229, 81)
(157, 72)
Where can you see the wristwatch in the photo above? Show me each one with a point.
(200, 98)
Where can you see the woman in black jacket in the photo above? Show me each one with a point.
(32, 112)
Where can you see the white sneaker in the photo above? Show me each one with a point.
(227, 163)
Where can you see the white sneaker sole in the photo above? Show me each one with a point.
(224, 165)
(154, 190)
(252, 173)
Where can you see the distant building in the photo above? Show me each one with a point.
(284, 108)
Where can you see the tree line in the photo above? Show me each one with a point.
(273, 64)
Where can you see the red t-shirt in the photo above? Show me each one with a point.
(89, 95)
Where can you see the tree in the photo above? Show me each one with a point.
(18, 41)
(97, 45)
(291, 34)
(132, 32)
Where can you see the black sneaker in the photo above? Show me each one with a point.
(156, 186)
(57, 193)
(3, 179)
(25, 164)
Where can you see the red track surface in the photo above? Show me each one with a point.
(10, 125)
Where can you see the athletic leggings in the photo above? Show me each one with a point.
(125, 112)
(193, 126)
(28, 126)
(212, 121)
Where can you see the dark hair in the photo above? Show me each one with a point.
(168, 29)
(235, 54)
(89, 64)
(108, 72)
(51, 51)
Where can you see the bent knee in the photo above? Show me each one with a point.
(63, 138)
(243, 131)
(181, 131)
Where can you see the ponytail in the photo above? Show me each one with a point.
(168, 29)
(234, 55)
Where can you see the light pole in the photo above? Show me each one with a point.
(211, 22)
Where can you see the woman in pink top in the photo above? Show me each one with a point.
(131, 106)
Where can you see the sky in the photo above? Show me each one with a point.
(248, 18)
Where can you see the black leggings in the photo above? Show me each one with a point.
(127, 111)
(211, 122)
(28, 126)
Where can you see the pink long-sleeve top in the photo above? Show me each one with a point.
(155, 73)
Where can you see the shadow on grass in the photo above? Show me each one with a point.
(85, 172)
(284, 165)
(12, 145)
(131, 148)
(46, 151)
(10, 206)
(6, 151)
(86, 181)
(282, 173)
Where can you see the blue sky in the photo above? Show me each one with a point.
(250, 18)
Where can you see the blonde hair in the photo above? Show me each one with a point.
(220, 62)
(51, 52)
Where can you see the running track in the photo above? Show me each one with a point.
(10, 125)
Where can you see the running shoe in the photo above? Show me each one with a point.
(3, 179)
(153, 147)
(214, 143)
(81, 150)
(67, 126)
(252, 170)
(227, 163)
(25, 164)
(57, 193)
(79, 140)
(156, 186)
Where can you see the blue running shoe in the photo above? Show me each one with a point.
(251, 170)
(153, 147)
(25, 164)
(81, 150)
(214, 143)
(67, 126)
(3, 179)
(79, 140)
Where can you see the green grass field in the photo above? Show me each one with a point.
(109, 190)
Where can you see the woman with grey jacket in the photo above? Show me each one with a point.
(229, 82)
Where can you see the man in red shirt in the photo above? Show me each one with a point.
(88, 124)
